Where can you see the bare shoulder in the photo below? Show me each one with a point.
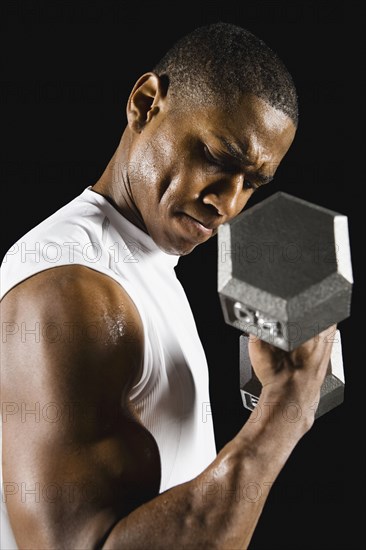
(72, 351)
(73, 315)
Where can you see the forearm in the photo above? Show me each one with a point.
(221, 507)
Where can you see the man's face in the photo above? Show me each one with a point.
(192, 171)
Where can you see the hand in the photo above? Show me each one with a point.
(305, 366)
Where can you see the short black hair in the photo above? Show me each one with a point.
(218, 63)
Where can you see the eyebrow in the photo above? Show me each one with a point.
(240, 155)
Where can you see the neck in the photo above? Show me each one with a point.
(114, 184)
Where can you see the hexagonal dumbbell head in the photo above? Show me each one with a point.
(284, 270)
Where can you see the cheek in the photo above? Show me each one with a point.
(166, 171)
(190, 176)
(144, 170)
(152, 168)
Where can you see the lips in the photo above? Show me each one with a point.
(208, 223)
(198, 229)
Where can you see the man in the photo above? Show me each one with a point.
(104, 375)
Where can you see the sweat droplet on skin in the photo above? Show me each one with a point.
(116, 327)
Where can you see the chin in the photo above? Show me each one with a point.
(178, 250)
(176, 247)
(185, 252)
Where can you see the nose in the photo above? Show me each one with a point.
(227, 196)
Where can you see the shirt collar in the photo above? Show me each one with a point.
(127, 228)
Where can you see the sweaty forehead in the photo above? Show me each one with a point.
(254, 131)
(265, 119)
(253, 126)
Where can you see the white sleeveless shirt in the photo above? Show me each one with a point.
(172, 396)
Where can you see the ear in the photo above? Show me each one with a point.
(145, 101)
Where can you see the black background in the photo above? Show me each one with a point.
(67, 70)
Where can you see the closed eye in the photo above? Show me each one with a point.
(214, 160)
(224, 166)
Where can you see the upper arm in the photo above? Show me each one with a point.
(75, 457)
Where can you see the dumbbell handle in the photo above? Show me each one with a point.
(331, 392)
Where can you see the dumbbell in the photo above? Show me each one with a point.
(285, 275)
